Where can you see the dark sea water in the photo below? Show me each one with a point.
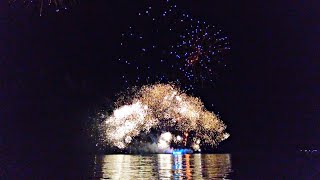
(205, 166)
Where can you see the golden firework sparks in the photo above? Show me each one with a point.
(162, 106)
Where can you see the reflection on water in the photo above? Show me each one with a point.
(163, 166)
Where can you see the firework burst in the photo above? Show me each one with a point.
(162, 115)
(200, 52)
(168, 45)
(46, 4)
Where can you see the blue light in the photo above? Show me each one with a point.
(176, 152)
(181, 151)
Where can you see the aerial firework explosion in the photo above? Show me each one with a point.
(168, 45)
(201, 49)
(160, 118)
(45, 4)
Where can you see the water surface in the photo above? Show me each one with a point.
(163, 166)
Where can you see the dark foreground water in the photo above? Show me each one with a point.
(205, 166)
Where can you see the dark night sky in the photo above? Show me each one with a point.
(56, 68)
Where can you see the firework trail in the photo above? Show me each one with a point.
(161, 118)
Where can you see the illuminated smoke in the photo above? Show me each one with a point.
(164, 141)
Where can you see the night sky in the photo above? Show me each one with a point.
(58, 68)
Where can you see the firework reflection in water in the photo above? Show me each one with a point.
(163, 166)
